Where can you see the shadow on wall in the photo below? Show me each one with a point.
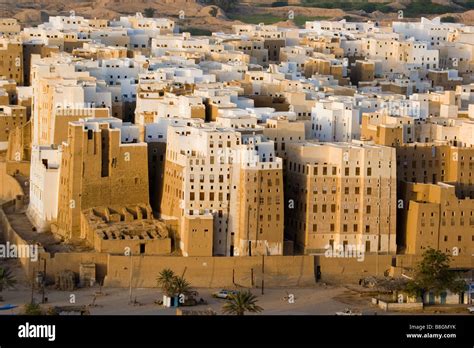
(9, 187)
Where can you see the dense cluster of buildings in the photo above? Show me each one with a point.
(263, 141)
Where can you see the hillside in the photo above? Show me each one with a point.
(204, 16)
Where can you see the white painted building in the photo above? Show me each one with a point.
(44, 186)
(431, 31)
(335, 119)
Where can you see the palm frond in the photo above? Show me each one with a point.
(242, 302)
(7, 279)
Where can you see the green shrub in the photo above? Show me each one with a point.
(279, 3)
(449, 19)
(149, 12)
(197, 31)
(33, 309)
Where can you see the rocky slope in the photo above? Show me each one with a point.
(200, 15)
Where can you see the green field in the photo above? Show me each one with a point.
(266, 18)
(348, 5)
(413, 9)
(196, 31)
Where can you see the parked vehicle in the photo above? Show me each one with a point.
(7, 307)
(191, 301)
(347, 311)
(68, 310)
(224, 294)
(471, 309)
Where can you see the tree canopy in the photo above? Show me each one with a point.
(149, 12)
(432, 274)
(171, 284)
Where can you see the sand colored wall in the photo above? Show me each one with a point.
(11, 116)
(11, 56)
(340, 197)
(72, 261)
(261, 213)
(350, 269)
(199, 271)
(197, 233)
(54, 263)
(171, 188)
(98, 170)
(213, 271)
(347, 270)
(280, 271)
(12, 237)
(9, 187)
(436, 217)
(381, 133)
(440, 163)
(19, 144)
(22, 168)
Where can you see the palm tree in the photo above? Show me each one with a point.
(7, 280)
(165, 280)
(149, 12)
(181, 286)
(240, 303)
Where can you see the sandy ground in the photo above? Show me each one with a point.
(319, 299)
